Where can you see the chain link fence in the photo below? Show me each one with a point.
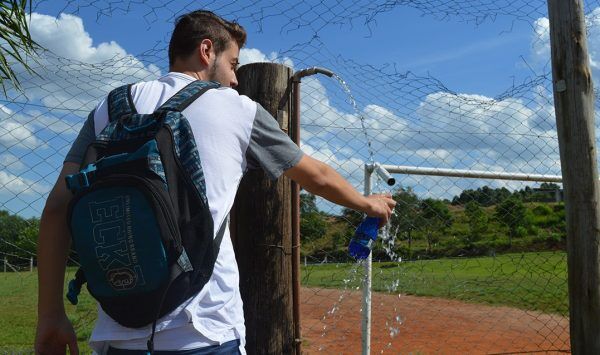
(466, 265)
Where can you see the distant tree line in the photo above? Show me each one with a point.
(486, 196)
(476, 222)
(18, 237)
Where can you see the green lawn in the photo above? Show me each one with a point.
(18, 310)
(533, 281)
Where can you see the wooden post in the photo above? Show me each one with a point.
(574, 105)
(262, 228)
(31, 264)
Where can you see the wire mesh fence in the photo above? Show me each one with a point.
(465, 265)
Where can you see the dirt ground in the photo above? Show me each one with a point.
(331, 324)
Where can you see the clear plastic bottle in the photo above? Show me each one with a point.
(364, 237)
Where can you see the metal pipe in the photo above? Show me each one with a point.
(384, 174)
(310, 71)
(401, 169)
(295, 128)
(296, 223)
(366, 316)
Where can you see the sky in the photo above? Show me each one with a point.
(441, 90)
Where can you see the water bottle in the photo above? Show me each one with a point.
(364, 237)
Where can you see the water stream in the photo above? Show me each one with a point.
(347, 90)
(387, 236)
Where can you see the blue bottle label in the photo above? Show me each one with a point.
(364, 236)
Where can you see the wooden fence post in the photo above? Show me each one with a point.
(261, 228)
(574, 105)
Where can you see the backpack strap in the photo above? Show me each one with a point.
(184, 97)
(120, 103)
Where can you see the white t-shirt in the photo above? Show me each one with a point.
(232, 132)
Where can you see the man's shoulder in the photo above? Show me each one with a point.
(228, 100)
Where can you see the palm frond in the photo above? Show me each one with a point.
(16, 44)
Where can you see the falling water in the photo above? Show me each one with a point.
(387, 236)
(358, 113)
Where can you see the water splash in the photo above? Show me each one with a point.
(359, 114)
(353, 274)
(388, 235)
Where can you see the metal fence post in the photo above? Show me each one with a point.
(366, 315)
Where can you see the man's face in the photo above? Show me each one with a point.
(222, 69)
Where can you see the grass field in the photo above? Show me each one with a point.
(532, 281)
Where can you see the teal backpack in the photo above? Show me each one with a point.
(139, 218)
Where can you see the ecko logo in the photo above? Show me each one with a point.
(111, 221)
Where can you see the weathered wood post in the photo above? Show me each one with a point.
(574, 105)
(261, 227)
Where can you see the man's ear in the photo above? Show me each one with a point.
(205, 51)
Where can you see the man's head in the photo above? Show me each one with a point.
(205, 44)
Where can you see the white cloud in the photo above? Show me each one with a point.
(5, 110)
(12, 162)
(253, 55)
(13, 134)
(74, 73)
(541, 40)
(16, 185)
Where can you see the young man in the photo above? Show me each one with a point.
(232, 133)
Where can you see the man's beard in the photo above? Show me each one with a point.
(212, 73)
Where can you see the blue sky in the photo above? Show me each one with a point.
(432, 92)
(458, 53)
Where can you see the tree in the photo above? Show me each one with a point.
(512, 213)
(308, 203)
(406, 215)
(477, 220)
(434, 219)
(312, 226)
(352, 217)
(312, 222)
(18, 236)
(484, 196)
(16, 45)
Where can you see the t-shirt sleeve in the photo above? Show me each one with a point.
(270, 148)
(86, 137)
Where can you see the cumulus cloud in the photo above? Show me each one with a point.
(541, 39)
(254, 55)
(12, 162)
(73, 73)
(445, 130)
(16, 185)
(13, 134)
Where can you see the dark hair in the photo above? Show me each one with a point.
(192, 28)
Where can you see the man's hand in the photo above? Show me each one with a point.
(54, 335)
(381, 206)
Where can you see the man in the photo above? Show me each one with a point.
(232, 134)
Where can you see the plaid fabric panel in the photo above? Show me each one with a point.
(186, 150)
(119, 103)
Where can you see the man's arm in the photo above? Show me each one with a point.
(54, 331)
(320, 179)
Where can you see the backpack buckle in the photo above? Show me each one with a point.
(81, 180)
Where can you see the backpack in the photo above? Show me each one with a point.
(139, 218)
